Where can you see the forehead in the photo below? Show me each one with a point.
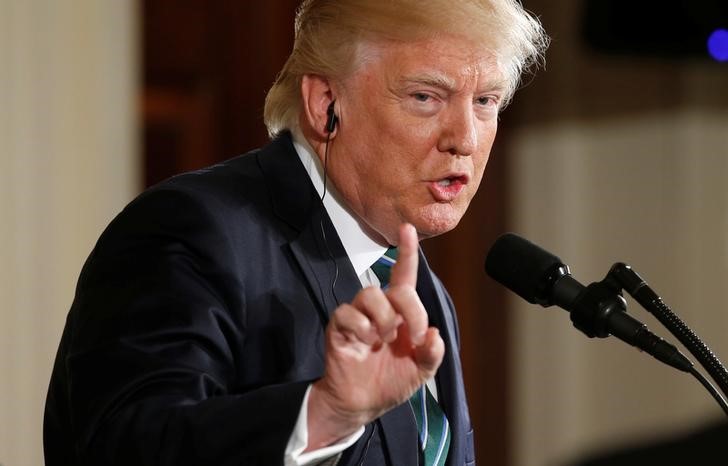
(446, 61)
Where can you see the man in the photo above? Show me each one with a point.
(230, 316)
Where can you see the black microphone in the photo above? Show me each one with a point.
(598, 310)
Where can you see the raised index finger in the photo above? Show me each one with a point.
(404, 271)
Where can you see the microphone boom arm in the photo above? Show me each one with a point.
(599, 310)
(633, 284)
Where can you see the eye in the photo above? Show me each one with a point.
(424, 103)
(486, 100)
(421, 97)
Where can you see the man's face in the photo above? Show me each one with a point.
(417, 122)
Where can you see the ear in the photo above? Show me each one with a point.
(317, 96)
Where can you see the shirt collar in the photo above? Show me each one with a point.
(362, 250)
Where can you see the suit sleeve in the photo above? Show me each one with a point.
(157, 329)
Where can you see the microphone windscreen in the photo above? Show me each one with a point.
(522, 267)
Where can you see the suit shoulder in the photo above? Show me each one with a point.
(241, 179)
(235, 178)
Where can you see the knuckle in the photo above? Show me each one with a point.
(347, 316)
(371, 292)
(402, 293)
(368, 295)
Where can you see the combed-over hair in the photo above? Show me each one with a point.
(329, 34)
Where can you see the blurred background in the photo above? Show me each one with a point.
(617, 151)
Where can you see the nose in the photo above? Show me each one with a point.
(459, 135)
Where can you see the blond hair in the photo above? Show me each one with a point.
(329, 33)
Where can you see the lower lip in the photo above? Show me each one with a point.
(446, 193)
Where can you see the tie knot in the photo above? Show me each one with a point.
(382, 268)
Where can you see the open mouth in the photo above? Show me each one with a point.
(446, 189)
(453, 180)
(448, 181)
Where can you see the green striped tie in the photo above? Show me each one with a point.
(432, 425)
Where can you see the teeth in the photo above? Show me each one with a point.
(446, 182)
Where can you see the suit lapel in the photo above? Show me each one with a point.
(451, 394)
(313, 241)
(324, 263)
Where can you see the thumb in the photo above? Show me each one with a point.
(428, 356)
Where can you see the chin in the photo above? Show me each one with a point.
(436, 221)
(431, 231)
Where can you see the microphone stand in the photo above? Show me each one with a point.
(621, 276)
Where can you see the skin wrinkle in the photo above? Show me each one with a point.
(408, 145)
(484, 59)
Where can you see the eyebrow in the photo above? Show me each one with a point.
(434, 80)
(449, 84)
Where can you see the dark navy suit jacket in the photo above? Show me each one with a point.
(198, 322)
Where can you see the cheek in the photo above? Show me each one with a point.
(486, 144)
(479, 170)
(407, 134)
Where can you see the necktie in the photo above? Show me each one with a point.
(432, 425)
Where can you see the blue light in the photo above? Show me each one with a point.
(718, 44)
